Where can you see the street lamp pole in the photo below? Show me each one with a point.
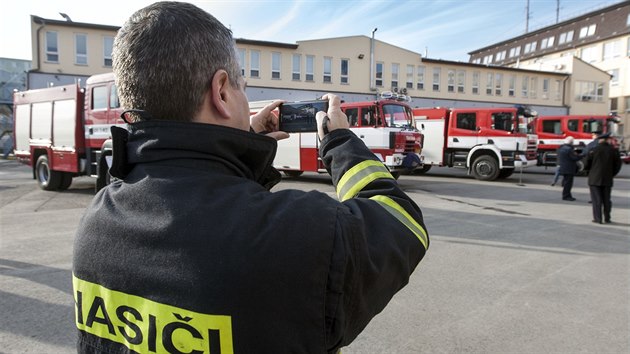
(372, 86)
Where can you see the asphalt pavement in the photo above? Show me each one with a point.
(511, 268)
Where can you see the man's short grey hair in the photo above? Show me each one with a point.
(165, 56)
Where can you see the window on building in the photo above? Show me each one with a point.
(489, 83)
(296, 67)
(533, 88)
(545, 89)
(345, 63)
(52, 47)
(421, 71)
(80, 49)
(327, 70)
(587, 31)
(108, 48)
(614, 80)
(525, 86)
(450, 80)
(254, 63)
(409, 84)
(628, 20)
(500, 56)
(466, 121)
(395, 69)
(461, 81)
(511, 85)
(477, 61)
(626, 103)
(530, 47)
(498, 83)
(475, 82)
(613, 105)
(547, 42)
(565, 37)
(589, 91)
(310, 68)
(276, 64)
(487, 59)
(590, 54)
(558, 90)
(516, 51)
(436, 78)
(612, 49)
(241, 60)
(379, 74)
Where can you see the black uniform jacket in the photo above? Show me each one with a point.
(567, 159)
(603, 163)
(191, 253)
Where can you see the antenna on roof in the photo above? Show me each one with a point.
(64, 15)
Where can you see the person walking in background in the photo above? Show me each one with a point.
(603, 163)
(567, 166)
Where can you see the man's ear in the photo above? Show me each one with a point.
(220, 94)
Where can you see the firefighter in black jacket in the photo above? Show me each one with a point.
(189, 251)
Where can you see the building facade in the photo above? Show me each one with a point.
(600, 39)
(357, 68)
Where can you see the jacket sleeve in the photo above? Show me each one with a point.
(380, 237)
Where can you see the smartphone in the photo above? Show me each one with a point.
(299, 117)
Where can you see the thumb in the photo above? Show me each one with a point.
(322, 124)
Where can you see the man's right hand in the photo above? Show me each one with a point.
(336, 118)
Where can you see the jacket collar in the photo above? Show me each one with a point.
(242, 153)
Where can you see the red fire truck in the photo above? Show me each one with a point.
(487, 141)
(552, 130)
(62, 132)
(385, 125)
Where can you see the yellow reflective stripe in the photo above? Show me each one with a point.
(359, 176)
(147, 326)
(401, 214)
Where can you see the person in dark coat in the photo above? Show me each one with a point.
(567, 165)
(603, 163)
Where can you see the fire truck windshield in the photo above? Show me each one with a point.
(397, 115)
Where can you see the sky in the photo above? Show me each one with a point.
(438, 29)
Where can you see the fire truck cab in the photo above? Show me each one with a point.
(62, 132)
(552, 130)
(385, 125)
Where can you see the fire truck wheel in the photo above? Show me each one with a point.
(485, 168)
(422, 170)
(293, 173)
(47, 179)
(506, 172)
(66, 181)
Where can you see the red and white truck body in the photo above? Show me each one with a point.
(552, 130)
(61, 132)
(486, 141)
(378, 123)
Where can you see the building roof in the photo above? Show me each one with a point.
(46, 21)
(484, 66)
(554, 26)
